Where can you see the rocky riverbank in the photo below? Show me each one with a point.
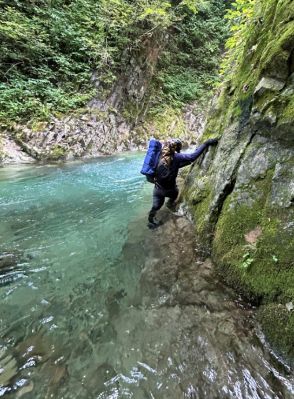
(95, 131)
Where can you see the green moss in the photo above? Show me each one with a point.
(57, 152)
(278, 325)
(199, 199)
(273, 38)
(201, 219)
(288, 112)
(168, 123)
(130, 111)
(266, 53)
(216, 116)
(263, 102)
(229, 244)
(276, 53)
(37, 126)
(263, 270)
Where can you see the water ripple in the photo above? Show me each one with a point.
(93, 305)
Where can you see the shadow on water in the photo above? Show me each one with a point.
(109, 309)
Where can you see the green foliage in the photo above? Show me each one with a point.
(239, 17)
(50, 49)
(188, 67)
(157, 13)
(247, 261)
(249, 255)
(57, 152)
(190, 4)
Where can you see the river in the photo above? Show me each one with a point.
(95, 305)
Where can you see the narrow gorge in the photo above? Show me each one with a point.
(93, 304)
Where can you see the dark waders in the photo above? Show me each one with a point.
(159, 195)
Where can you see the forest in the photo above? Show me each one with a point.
(50, 50)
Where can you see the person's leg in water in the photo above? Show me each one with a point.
(172, 196)
(158, 201)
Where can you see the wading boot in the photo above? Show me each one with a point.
(153, 223)
(171, 205)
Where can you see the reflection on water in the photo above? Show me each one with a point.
(94, 305)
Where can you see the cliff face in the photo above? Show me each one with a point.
(102, 127)
(242, 193)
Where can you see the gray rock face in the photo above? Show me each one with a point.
(99, 130)
(271, 109)
(111, 122)
(91, 134)
(10, 152)
(268, 84)
(242, 193)
(194, 118)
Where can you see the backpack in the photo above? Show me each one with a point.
(165, 174)
(151, 160)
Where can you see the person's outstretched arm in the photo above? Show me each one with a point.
(187, 159)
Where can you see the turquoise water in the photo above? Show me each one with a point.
(94, 305)
(70, 222)
(66, 226)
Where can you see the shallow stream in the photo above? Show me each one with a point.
(94, 305)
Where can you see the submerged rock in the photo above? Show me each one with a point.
(8, 367)
(24, 390)
(7, 260)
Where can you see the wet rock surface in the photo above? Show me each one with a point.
(183, 331)
(94, 132)
(245, 184)
(13, 267)
(214, 348)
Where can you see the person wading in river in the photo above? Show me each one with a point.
(170, 161)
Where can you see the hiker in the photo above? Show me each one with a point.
(170, 161)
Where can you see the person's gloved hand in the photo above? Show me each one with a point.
(211, 142)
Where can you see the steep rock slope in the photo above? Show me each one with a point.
(242, 193)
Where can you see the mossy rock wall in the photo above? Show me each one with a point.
(242, 192)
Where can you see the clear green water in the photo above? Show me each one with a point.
(67, 227)
(94, 305)
(73, 219)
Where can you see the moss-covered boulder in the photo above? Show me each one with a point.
(242, 193)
